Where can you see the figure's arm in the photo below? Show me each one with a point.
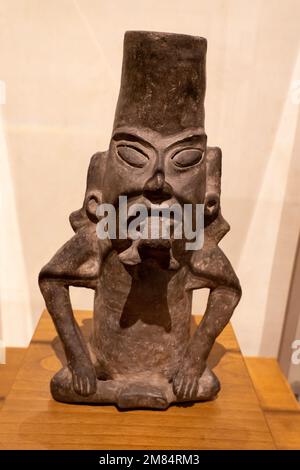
(75, 264)
(209, 268)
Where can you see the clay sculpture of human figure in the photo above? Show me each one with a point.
(141, 352)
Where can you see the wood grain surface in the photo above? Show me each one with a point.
(272, 388)
(8, 371)
(31, 419)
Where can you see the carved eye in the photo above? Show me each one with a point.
(187, 157)
(133, 156)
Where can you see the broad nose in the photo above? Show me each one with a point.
(156, 189)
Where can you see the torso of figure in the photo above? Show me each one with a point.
(140, 326)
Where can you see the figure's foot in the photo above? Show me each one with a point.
(62, 389)
(188, 385)
(142, 395)
(61, 385)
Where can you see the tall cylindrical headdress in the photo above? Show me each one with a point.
(163, 82)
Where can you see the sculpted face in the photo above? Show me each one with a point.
(150, 168)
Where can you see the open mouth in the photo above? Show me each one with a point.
(149, 235)
(157, 252)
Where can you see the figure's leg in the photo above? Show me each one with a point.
(126, 393)
(146, 391)
(159, 395)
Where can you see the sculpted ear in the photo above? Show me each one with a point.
(87, 212)
(213, 159)
(92, 200)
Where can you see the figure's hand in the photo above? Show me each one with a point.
(84, 377)
(186, 380)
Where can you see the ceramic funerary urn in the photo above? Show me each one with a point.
(141, 352)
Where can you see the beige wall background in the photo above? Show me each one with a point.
(61, 63)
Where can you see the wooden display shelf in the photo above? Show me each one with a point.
(31, 419)
(8, 371)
